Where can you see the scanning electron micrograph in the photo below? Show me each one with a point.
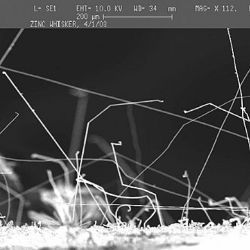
(124, 139)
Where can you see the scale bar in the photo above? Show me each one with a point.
(156, 17)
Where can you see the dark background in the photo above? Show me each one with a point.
(186, 68)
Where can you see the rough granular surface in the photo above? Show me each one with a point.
(176, 236)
